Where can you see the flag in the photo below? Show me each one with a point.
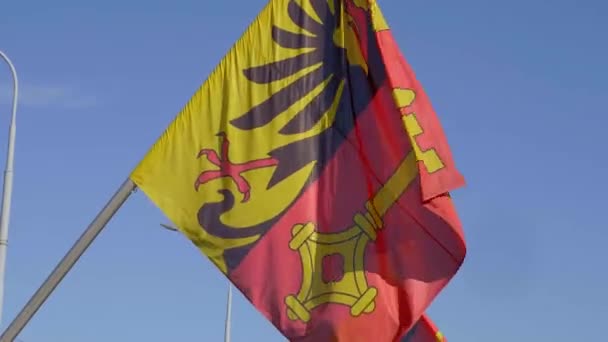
(311, 169)
(424, 331)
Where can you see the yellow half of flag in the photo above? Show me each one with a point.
(277, 68)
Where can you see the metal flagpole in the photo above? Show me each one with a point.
(8, 182)
(68, 261)
(228, 313)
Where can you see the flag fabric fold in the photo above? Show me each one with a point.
(311, 169)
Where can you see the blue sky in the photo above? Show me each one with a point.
(520, 87)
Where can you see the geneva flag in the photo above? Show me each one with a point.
(311, 169)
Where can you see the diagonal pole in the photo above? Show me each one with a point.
(68, 261)
(7, 190)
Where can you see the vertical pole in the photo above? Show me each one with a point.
(68, 261)
(7, 190)
(228, 313)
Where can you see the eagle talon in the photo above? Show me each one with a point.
(229, 169)
(245, 197)
(211, 156)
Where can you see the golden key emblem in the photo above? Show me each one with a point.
(349, 245)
